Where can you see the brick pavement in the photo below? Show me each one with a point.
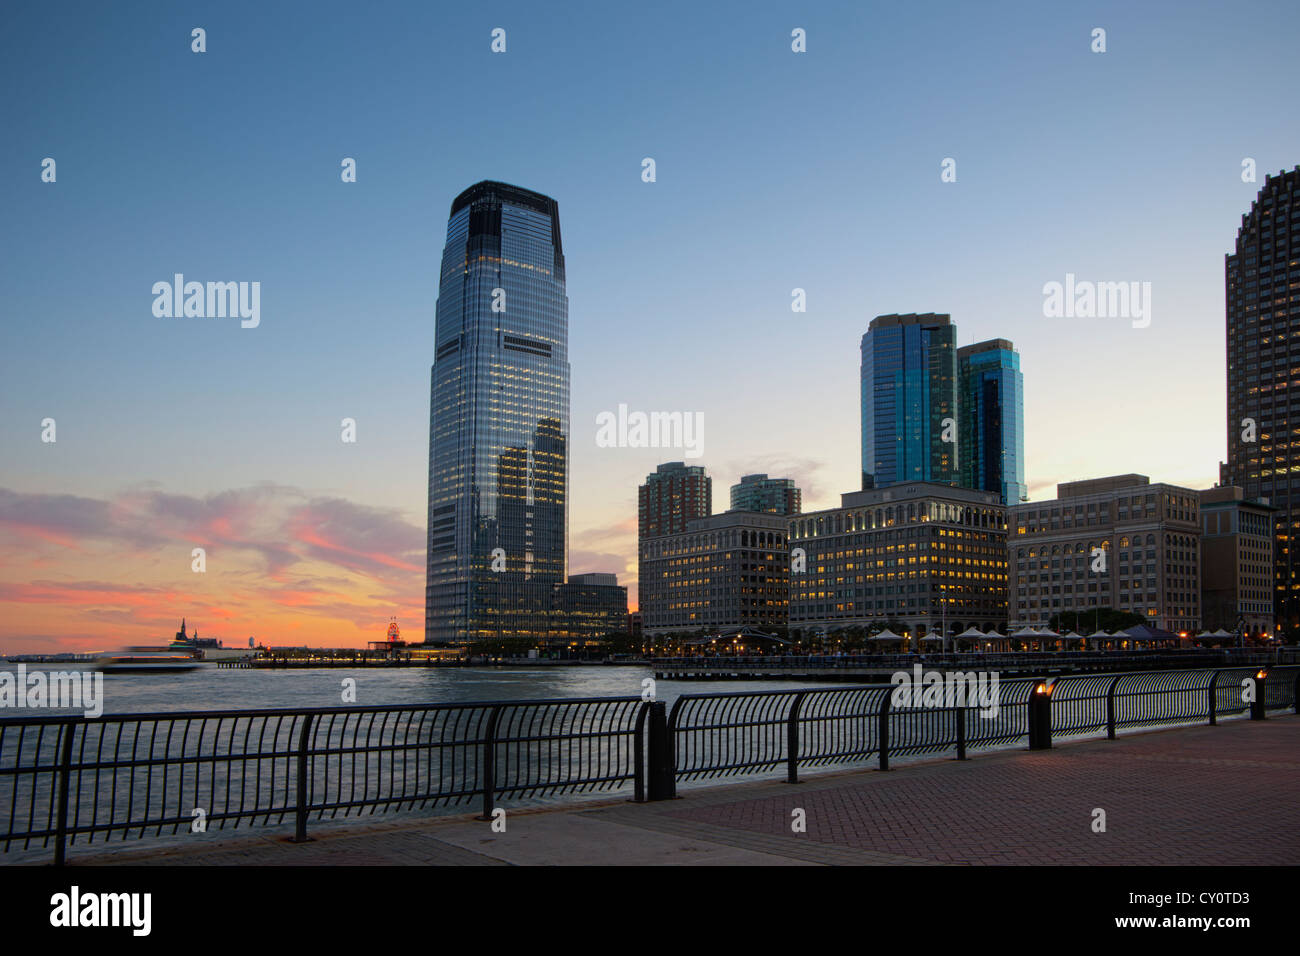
(1188, 795)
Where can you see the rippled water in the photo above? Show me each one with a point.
(213, 688)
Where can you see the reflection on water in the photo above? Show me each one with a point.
(212, 688)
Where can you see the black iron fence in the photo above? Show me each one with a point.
(65, 779)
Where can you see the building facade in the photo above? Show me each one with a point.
(991, 436)
(673, 494)
(930, 557)
(1236, 562)
(726, 571)
(589, 607)
(778, 496)
(1118, 542)
(909, 400)
(1262, 285)
(499, 419)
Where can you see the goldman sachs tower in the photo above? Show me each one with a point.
(498, 419)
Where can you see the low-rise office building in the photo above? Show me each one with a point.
(725, 571)
(1118, 542)
(929, 556)
(588, 607)
(1236, 562)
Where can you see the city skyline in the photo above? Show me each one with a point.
(182, 433)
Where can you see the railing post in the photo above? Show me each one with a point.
(961, 733)
(792, 740)
(882, 733)
(638, 752)
(1110, 708)
(65, 775)
(663, 785)
(1295, 692)
(1214, 699)
(1259, 705)
(1040, 716)
(489, 758)
(300, 808)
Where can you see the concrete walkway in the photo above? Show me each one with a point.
(1190, 795)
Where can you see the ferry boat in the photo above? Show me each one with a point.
(182, 654)
(145, 658)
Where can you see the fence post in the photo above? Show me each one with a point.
(638, 753)
(300, 809)
(65, 774)
(961, 733)
(882, 733)
(1295, 691)
(663, 785)
(1110, 708)
(1259, 705)
(1214, 699)
(792, 740)
(489, 759)
(1040, 716)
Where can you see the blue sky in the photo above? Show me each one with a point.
(775, 170)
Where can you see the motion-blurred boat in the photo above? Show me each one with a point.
(144, 658)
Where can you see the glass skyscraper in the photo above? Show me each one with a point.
(909, 389)
(499, 419)
(991, 433)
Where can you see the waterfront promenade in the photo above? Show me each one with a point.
(1198, 795)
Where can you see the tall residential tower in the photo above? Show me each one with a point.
(499, 419)
(778, 496)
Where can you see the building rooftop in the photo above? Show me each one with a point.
(1099, 486)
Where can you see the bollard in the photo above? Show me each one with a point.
(1257, 705)
(1040, 716)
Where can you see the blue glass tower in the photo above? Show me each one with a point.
(909, 400)
(498, 420)
(992, 433)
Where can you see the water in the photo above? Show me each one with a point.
(213, 688)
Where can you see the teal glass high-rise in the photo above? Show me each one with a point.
(991, 437)
(498, 420)
(909, 400)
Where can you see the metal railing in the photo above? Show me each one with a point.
(64, 779)
(69, 778)
(715, 735)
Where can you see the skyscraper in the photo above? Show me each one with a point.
(1263, 332)
(778, 496)
(909, 400)
(991, 432)
(499, 419)
(673, 494)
